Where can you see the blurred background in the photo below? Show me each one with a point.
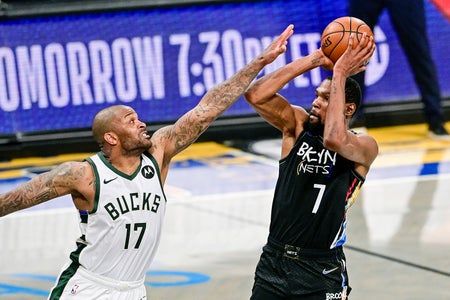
(62, 61)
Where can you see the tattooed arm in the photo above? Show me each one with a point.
(175, 138)
(68, 178)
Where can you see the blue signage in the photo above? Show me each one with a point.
(56, 72)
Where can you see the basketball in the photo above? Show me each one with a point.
(335, 36)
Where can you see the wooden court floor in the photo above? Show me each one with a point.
(218, 214)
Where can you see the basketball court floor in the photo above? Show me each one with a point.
(219, 199)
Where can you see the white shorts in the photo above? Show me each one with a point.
(86, 285)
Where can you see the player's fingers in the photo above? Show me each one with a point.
(351, 39)
(287, 32)
(284, 36)
(358, 70)
(370, 48)
(373, 45)
(364, 43)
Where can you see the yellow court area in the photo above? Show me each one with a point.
(405, 137)
(402, 144)
(397, 145)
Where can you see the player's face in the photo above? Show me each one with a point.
(320, 104)
(315, 124)
(132, 133)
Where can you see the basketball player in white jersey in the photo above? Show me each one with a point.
(119, 191)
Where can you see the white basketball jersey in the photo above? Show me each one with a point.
(121, 234)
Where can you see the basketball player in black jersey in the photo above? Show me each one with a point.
(323, 165)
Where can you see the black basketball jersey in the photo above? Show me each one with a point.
(314, 189)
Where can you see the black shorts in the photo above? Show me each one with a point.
(288, 272)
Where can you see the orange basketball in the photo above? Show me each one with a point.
(335, 36)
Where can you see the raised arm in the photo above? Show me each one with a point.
(274, 108)
(188, 128)
(360, 148)
(68, 178)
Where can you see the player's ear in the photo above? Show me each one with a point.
(111, 138)
(350, 109)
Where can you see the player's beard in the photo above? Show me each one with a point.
(315, 128)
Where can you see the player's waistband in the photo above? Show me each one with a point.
(295, 252)
(109, 282)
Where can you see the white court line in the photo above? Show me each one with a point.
(405, 179)
(181, 198)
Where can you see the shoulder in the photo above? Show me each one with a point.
(72, 166)
(74, 170)
(69, 177)
(300, 111)
(368, 146)
(301, 115)
(367, 138)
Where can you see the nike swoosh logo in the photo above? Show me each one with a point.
(325, 271)
(108, 181)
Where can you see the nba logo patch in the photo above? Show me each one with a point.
(74, 289)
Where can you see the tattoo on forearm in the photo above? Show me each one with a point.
(40, 189)
(333, 87)
(29, 194)
(214, 103)
(46, 195)
(315, 61)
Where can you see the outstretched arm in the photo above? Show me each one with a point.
(70, 177)
(191, 125)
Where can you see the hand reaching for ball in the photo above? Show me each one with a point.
(351, 36)
(355, 58)
(335, 36)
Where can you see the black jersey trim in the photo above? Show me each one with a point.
(68, 273)
(97, 184)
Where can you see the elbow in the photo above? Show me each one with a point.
(332, 144)
(255, 99)
(250, 96)
(253, 96)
